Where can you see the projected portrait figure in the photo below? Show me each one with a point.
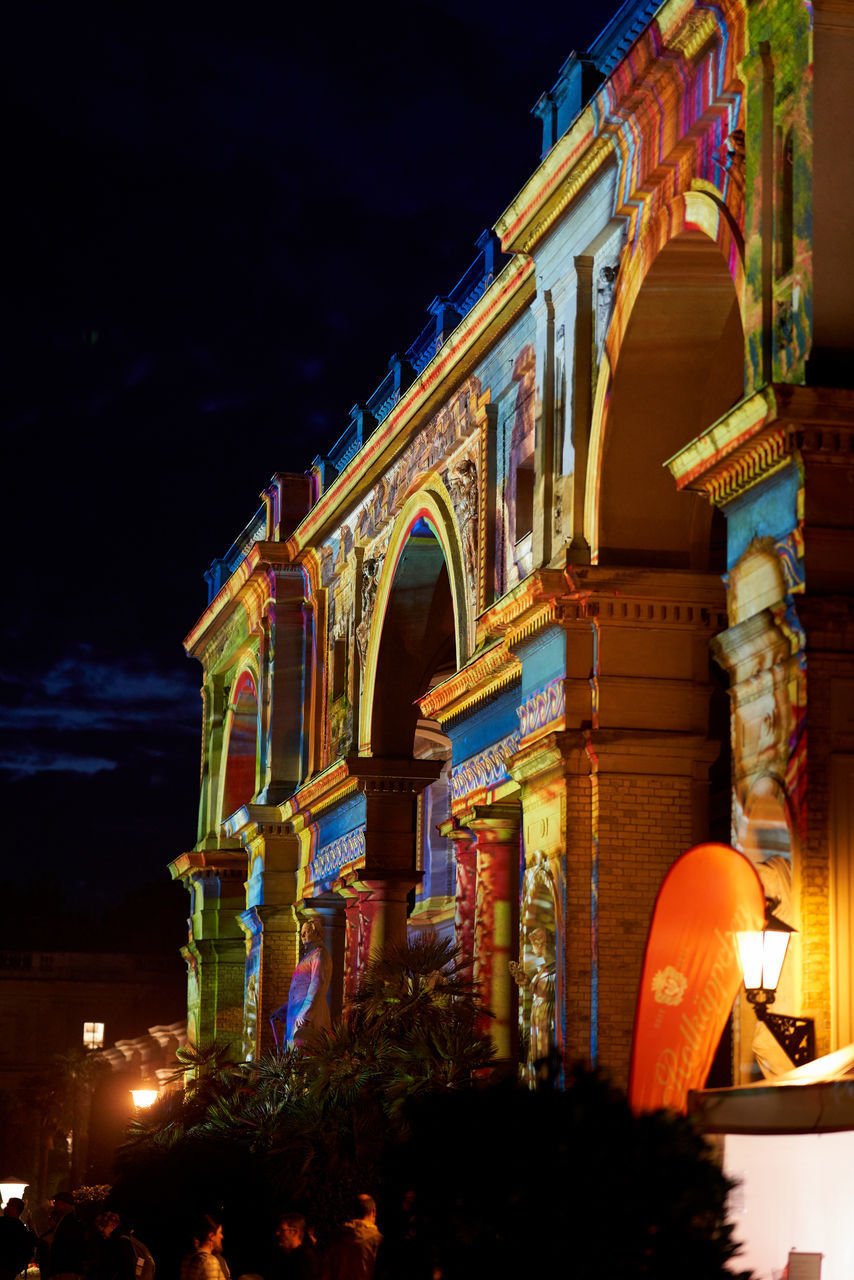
(250, 1018)
(536, 971)
(307, 1010)
(764, 655)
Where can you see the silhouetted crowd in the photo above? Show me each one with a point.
(107, 1250)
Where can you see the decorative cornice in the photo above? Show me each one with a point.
(379, 775)
(252, 585)
(491, 314)
(227, 863)
(527, 608)
(256, 821)
(761, 434)
(368, 774)
(483, 676)
(320, 793)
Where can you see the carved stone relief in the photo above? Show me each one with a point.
(463, 487)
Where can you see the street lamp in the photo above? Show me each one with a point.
(761, 953)
(143, 1097)
(12, 1188)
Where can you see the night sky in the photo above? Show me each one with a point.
(218, 229)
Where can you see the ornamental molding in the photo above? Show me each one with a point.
(524, 609)
(484, 771)
(227, 863)
(764, 457)
(657, 72)
(376, 775)
(825, 442)
(330, 858)
(322, 791)
(253, 585)
(644, 612)
(543, 707)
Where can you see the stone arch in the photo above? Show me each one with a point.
(240, 742)
(674, 362)
(433, 506)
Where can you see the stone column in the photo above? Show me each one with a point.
(376, 910)
(391, 788)
(496, 831)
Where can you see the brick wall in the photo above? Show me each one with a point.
(645, 823)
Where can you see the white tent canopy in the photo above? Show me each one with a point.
(816, 1098)
(788, 1145)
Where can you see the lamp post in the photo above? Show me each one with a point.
(761, 953)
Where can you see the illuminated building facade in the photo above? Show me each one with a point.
(573, 590)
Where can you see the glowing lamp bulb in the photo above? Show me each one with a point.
(143, 1097)
(12, 1188)
(761, 954)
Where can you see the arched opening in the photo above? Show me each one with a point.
(680, 367)
(418, 642)
(241, 753)
(417, 650)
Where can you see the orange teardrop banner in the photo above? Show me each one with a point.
(690, 972)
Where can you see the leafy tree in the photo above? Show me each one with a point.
(569, 1183)
(396, 1099)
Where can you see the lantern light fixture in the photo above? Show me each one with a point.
(93, 1035)
(143, 1097)
(12, 1188)
(761, 953)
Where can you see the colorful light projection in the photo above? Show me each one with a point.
(240, 767)
(536, 971)
(515, 516)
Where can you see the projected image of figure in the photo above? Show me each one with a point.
(540, 976)
(536, 970)
(250, 1018)
(307, 1010)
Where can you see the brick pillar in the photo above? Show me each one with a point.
(216, 953)
(269, 921)
(272, 954)
(611, 811)
(496, 831)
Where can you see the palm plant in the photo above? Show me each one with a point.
(311, 1125)
(412, 1027)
